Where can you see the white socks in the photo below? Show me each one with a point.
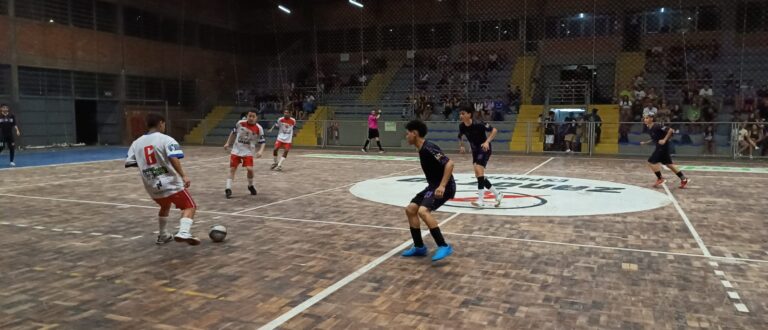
(229, 183)
(480, 196)
(282, 159)
(185, 225)
(250, 182)
(495, 192)
(162, 222)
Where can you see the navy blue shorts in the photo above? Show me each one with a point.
(426, 197)
(481, 157)
(660, 155)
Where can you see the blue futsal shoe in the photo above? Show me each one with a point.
(442, 252)
(415, 252)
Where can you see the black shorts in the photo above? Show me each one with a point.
(373, 133)
(426, 197)
(6, 139)
(660, 155)
(481, 157)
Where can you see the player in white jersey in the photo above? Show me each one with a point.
(157, 157)
(285, 135)
(246, 134)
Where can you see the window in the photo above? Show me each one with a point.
(141, 24)
(3, 7)
(85, 84)
(107, 86)
(134, 88)
(443, 35)
(471, 32)
(106, 17)
(189, 37)
(58, 82)
(489, 31)
(5, 79)
(169, 30)
(708, 19)
(31, 81)
(510, 29)
(352, 40)
(52, 11)
(83, 14)
(188, 91)
(370, 39)
(171, 90)
(153, 89)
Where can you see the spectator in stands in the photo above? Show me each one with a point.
(709, 140)
(484, 82)
(651, 94)
(706, 92)
(549, 131)
(570, 132)
(628, 92)
(488, 108)
(665, 113)
(745, 141)
(639, 82)
(493, 63)
(638, 93)
(598, 122)
(580, 129)
(649, 109)
(762, 109)
(333, 131)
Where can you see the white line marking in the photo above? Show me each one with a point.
(4, 223)
(322, 191)
(97, 234)
(21, 225)
(734, 295)
(62, 164)
(135, 237)
(726, 284)
(75, 232)
(38, 227)
(57, 229)
(688, 223)
(539, 166)
(280, 320)
(741, 308)
(714, 264)
(116, 236)
(720, 273)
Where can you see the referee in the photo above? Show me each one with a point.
(8, 126)
(373, 130)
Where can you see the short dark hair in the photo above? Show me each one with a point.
(4, 105)
(244, 114)
(417, 125)
(153, 120)
(467, 108)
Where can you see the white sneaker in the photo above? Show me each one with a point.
(499, 198)
(381, 151)
(363, 150)
(478, 203)
(569, 150)
(182, 237)
(13, 164)
(279, 168)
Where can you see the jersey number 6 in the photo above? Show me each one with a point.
(149, 155)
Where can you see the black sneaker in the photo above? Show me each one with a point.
(228, 193)
(252, 189)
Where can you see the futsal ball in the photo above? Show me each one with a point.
(218, 233)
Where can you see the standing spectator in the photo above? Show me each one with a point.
(570, 132)
(9, 130)
(706, 92)
(639, 93)
(709, 140)
(598, 122)
(549, 131)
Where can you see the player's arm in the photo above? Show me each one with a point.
(130, 160)
(446, 177)
(16, 126)
(666, 137)
(262, 142)
(229, 141)
(176, 163)
(461, 142)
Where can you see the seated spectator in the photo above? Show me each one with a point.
(651, 94)
(628, 92)
(706, 92)
(649, 109)
(493, 63)
(746, 144)
(709, 140)
(639, 93)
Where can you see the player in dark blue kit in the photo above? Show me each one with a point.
(9, 129)
(439, 172)
(660, 136)
(475, 131)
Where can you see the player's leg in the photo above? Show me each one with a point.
(480, 175)
(162, 221)
(683, 179)
(274, 154)
(656, 169)
(378, 143)
(286, 149)
(234, 162)
(365, 145)
(188, 207)
(12, 151)
(412, 213)
(443, 249)
(249, 175)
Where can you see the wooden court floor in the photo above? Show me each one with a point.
(77, 252)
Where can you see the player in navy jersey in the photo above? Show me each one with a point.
(9, 130)
(660, 136)
(475, 131)
(441, 187)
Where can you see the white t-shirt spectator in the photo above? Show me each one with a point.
(706, 92)
(639, 94)
(651, 110)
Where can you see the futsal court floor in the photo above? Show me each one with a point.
(77, 251)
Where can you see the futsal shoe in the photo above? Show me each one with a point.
(252, 189)
(279, 168)
(499, 198)
(415, 252)
(381, 151)
(684, 182)
(478, 203)
(163, 238)
(13, 164)
(228, 193)
(273, 166)
(659, 182)
(183, 237)
(442, 252)
(363, 150)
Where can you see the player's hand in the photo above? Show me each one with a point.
(226, 147)
(440, 191)
(18, 133)
(258, 155)
(643, 143)
(187, 181)
(462, 150)
(662, 142)
(485, 146)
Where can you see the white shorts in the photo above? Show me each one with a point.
(549, 139)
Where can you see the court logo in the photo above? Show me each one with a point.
(523, 195)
